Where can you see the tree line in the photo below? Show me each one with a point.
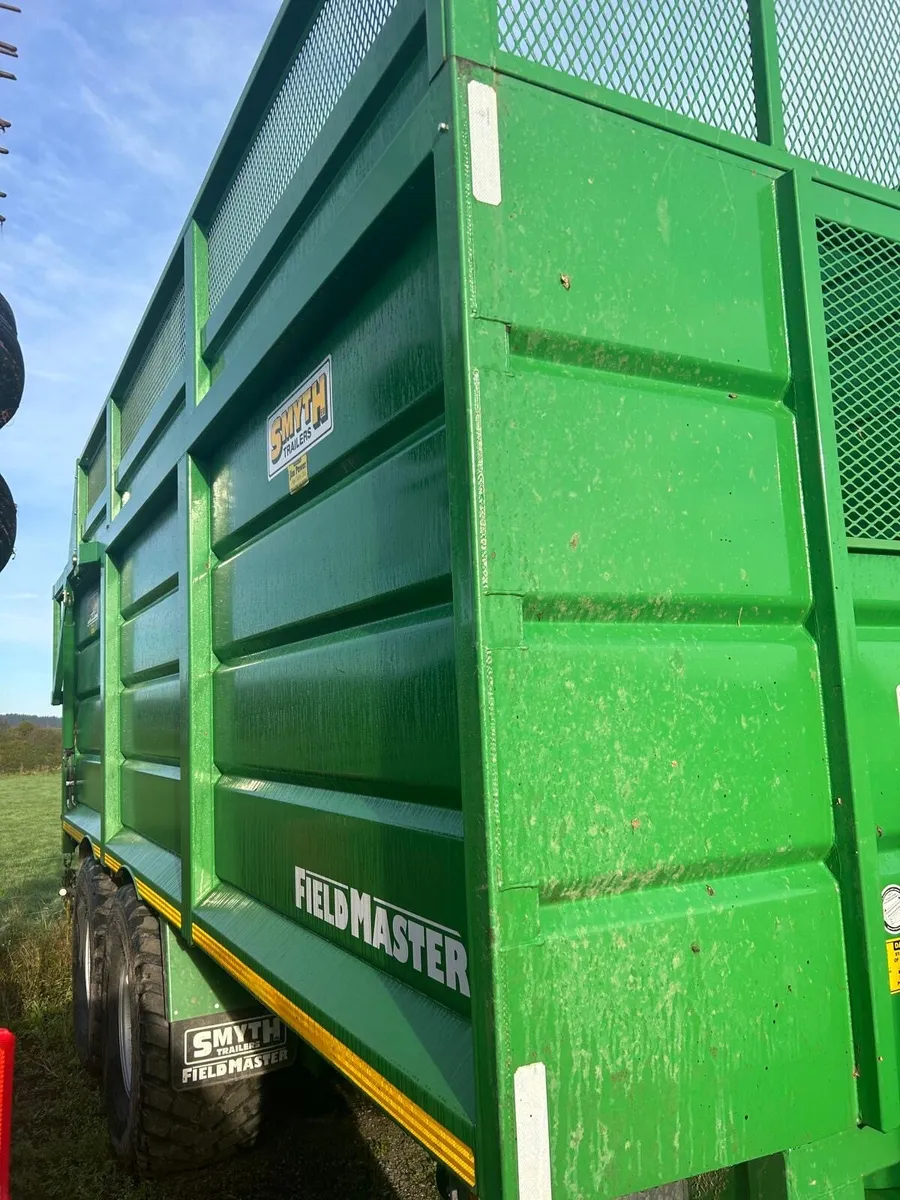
(26, 745)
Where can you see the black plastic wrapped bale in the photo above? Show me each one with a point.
(7, 315)
(12, 367)
(7, 523)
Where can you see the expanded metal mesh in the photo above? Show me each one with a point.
(841, 84)
(96, 475)
(689, 56)
(162, 358)
(339, 39)
(861, 291)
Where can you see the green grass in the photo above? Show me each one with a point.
(31, 854)
(350, 1150)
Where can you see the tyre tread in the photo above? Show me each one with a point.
(100, 891)
(177, 1129)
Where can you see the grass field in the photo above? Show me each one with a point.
(349, 1151)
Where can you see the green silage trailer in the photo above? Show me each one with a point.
(479, 648)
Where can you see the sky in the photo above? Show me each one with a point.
(116, 113)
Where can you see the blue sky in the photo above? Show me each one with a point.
(117, 111)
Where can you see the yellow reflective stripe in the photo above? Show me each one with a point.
(96, 851)
(434, 1136)
(146, 893)
(158, 902)
(73, 833)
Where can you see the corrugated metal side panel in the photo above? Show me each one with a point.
(88, 708)
(335, 710)
(150, 701)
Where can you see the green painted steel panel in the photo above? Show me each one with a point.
(148, 860)
(195, 985)
(149, 802)
(151, 643)
(87, 616)
(87, 669)
(376, 381)
(392, 521)
(611, 797)
(264, 831)
(760, 1082)
(661, 813)
(151, 715)
(425, 1046)
(87, 709)
(701, 305)
(574, 648)
(89, 781)
(373, 707)
(89, 726)
(150, 565)
(719, 476)
(86, 821)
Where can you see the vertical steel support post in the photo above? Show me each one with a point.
(766, 73)
(198, 770)
(468, 343)
(833, 626)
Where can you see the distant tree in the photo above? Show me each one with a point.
(27, 746)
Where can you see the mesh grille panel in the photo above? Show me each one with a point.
(861, 291)
(689, 56)
(841, 84)
(162, 358)
(336, 44)
(96, 476)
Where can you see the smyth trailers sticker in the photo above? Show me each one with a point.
(208, 1050)
(300, 421)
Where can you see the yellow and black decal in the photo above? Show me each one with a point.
(893, 959)
(300, 421)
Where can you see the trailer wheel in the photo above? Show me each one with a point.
(154, 1128)
(93, 893)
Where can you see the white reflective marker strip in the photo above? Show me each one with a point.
(898, 699)
(484, 142)
(532, 1132)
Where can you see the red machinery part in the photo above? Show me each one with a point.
(7, 1060)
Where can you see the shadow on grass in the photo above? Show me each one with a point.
(322, 1142)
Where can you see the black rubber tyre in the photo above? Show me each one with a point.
(93, 893)
(155, 1129)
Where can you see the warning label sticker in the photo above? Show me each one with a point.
(298, 474)
(206, 1052)
(893, 957)
(300, 421)
(890, 908)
